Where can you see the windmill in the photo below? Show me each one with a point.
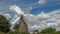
(19, 12)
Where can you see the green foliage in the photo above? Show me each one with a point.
(48, 30)
(57, 32)
(1, 33)
(42, 32)
(24, 33)
(4, 24)
(15, 32)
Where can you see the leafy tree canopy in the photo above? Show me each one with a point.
(4, 24)
(48, 30)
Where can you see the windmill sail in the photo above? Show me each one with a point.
(28, 10)
(16, 9)
(15, 20)
(19, 11)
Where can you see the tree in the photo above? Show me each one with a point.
(4, 24)
(48, 30)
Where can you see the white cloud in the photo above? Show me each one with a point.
(7, 15)
(42, 1)
(41, 20)
(36, 21)
(43, 15)
(51, 24)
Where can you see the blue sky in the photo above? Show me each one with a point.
(49, 6)
(43, 11)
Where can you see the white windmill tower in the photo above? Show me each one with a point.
(19, 13)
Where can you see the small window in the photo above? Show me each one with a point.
(23, 28)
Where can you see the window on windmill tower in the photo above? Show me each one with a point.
(23, 28)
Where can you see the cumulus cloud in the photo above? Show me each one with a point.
(7, 15)
(37, 21)
(43, 20)
(42, 1)
(56, 15)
